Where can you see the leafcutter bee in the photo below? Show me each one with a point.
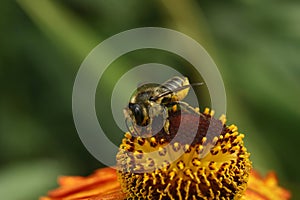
(153, 100)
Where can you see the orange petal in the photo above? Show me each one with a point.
(265, 188)
(69, 180)
(103, 185)
(112, 195)
(76, 187)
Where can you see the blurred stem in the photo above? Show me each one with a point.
(188, 18)
(61, 25)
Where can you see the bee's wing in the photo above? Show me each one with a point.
(140, 84)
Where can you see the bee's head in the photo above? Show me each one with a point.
(139, 114)
(138, 111)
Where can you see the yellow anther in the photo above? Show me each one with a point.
(215, 139)
(233, 128)
(206, 111)
(128, 135)
(196, 162)
(174, 108)
(180, 165)
(171, 175)
(152, 139)
(223, 119)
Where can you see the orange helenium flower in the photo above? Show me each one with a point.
(265, 188)
(104, 185)
(224, 172)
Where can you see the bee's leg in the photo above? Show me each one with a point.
(149, 128)
(130, 127)
(183, 106)
(166, 126)
(175, 107)
(167, 122)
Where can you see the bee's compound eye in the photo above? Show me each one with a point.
(137, 112)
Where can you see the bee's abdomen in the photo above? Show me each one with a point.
(174, 83)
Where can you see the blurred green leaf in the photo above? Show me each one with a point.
(27, 181)
(61, 25)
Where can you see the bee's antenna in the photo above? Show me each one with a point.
(196, 84)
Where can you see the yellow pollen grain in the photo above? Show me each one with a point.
(197, 162)
(180, 165)
(223, 119)
(200, 148)
(233, 128)
(176, 145)
(153, 139)
(186, 147)
(206, 111)
(172, 175)
(128, 135)
(215, 140)
(174, 108)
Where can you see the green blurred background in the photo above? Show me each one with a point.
(256, 45)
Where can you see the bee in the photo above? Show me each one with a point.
(153, 100)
